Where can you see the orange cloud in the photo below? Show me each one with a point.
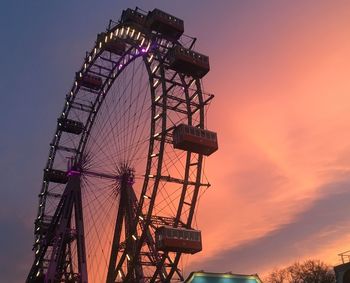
(282, 113)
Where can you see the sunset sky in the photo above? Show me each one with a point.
(280, 71)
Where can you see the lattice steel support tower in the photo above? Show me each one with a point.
(61, 234)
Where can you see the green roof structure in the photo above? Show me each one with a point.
(208, 277)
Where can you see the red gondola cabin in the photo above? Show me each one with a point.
(188, 62)
(134, 19)
(182, 240)
(89, 81)
(55, 176)
(165, 24)
(70, 126)
(193, 139)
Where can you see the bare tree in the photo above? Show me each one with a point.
(310, 271)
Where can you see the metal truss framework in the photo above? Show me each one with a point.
(60, 249)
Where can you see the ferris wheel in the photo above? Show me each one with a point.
(125, 165)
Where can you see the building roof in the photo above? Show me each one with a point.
(209, 277)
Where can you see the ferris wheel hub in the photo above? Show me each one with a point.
(126, 174)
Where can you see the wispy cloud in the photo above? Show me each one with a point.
(311, 230)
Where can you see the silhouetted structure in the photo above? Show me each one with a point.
(135, 138)
(209, 277)
(342, 271)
